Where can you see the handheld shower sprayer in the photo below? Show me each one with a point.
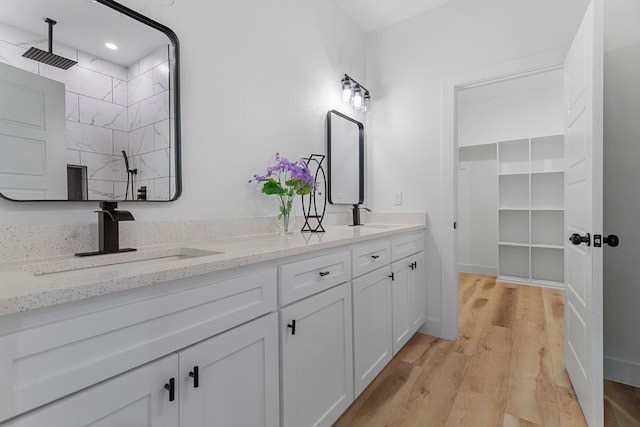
(130, 174)
(126, 160)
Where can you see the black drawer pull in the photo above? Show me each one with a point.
(171, 386)
(393, 277)
(324, 273)
(292, 325)
(195, 374)
(375, 256)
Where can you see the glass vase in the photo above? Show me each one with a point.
(286, 222)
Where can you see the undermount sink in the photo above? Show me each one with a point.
(113, 263)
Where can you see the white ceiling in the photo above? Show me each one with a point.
(374, 14)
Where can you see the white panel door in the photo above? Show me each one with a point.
(583, 190)
(32, 136)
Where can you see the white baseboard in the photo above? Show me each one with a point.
(622, 371)
(478, 269)
(433, 327)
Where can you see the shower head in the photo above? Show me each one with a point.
(49, 58)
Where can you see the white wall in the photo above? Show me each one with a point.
(257, 78)
(622, 190)
(478, 209)
(518, 108)
(406, 64)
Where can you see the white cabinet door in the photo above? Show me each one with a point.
(401, 301)
(136, 398)
(372, 334)
(317, 364)
(232, 379)
(417, 291)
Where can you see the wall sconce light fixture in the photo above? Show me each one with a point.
(355, 94)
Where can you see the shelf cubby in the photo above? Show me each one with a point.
(547, 154)
(513, 191)
(513, 156)
(513, 226)
(513, 262)
(547, 190)
(547, 227)
(547, 266)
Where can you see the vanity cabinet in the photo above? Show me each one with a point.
(317, 363)
(49, 354)
(228, 380)
(389, 303)
(316, 338)
(290, 343)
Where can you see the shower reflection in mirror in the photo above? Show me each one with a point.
(116, 128)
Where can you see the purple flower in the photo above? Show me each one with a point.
(286, 179)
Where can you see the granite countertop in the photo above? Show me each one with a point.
(46, 282)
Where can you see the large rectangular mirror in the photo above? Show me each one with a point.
(89, 106)
(345, 149)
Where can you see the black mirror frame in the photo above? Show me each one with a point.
(360, 156)
(175, 82)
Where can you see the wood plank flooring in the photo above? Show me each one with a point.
(505, 369)
(621, 405)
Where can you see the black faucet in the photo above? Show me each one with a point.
(108, 235)
(356, 214)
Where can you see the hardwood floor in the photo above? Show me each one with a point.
(505, 369)
(621, 405)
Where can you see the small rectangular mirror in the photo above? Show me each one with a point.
(345, 149)
(89, 105)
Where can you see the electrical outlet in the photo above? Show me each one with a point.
(397, 198)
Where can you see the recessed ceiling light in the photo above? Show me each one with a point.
(111, 46)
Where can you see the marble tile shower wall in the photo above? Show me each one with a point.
(109, 108)
(149, 123)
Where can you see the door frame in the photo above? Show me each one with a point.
(545, 61)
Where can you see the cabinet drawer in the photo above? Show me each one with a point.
(309, 276)
(66, 354)
(368, 256)
(406, 245)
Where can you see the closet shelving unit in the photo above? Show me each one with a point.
(531, 211)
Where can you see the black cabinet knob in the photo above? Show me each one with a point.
(375, 256)
(324, 273)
